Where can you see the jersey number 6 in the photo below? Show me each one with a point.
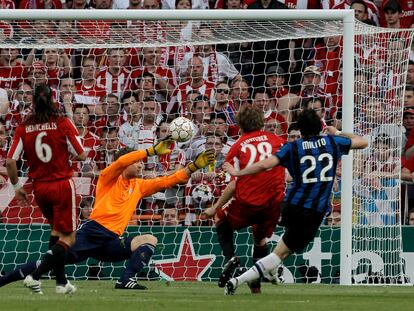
(43, 151)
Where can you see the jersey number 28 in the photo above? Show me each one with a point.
(263, 148)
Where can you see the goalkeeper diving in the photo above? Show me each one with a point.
(120, 187)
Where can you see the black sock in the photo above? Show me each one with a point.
(259, 252)
(53, 257)
(225, 237)
(53, 240)
(139, 259)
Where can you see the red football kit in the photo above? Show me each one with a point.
(257, 197)
(47, 148)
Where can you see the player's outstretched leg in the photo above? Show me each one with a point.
(260, 269)
(259, 252)
(139, 259)
(228, 270)
(19, 274)
(34, 285)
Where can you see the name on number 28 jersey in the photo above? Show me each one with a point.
(250, 148)
(312, 164)
(47, 147)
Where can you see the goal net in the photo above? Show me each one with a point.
(122, 80)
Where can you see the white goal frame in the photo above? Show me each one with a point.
(346, 16)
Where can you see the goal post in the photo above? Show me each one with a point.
(253, 27)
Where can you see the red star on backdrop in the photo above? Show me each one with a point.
(187, 266)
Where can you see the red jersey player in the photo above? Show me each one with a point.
(48, 142)
(256, 199)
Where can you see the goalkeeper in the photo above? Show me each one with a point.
(118, 192)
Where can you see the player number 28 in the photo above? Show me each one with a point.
(264, 149)
(305, 176)
(43, 150)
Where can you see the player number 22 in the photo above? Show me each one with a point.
(264, 149)
(305, 176)
(43, 151)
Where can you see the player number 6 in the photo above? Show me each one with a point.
(43, 151)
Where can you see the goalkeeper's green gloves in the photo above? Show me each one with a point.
(161, 148)
(204, 159)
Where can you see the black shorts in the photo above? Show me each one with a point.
(95, 241)
(301, 225)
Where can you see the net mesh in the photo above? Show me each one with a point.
(105, 76)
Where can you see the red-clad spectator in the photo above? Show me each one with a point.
(133, 56)
(240, 93)
(90, 142)
(165, 80)
(6, 30)
(129, 130)
(37, 74)
(65, 95)
(114, 76)
(302, 4)
(410, 73)
(409, 97)
(217, 66)
(192, 4)
(391, 10)
(92, 29)
(409, 146)
(275, 81)
(405, 10)
(232, 4)
(7, 4)
(3, 155)
(199, 110)
(372, 9)
(20, 107)
(262, 99)
(11, 73)
(109, 115)
(56, 61)
(408, 123)
(110, 144)
(40, 4)
(407, 172)
(88, 91)
(328, 60)
(311, 81)
(195, 81)
(224, 105)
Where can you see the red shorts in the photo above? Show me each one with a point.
(57, 201)
(263, 219)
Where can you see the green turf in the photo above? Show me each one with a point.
(203, 296)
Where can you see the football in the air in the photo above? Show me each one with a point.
(202, 194)
(181, 129)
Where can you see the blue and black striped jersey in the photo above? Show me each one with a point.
(312, 164)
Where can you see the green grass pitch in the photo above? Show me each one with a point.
(200, 296)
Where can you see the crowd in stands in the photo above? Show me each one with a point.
(127, 97)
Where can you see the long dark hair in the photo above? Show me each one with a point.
(43, 106)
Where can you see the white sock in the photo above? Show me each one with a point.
(266, 264)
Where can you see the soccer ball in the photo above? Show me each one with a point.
(202, 194)
(181, 129)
